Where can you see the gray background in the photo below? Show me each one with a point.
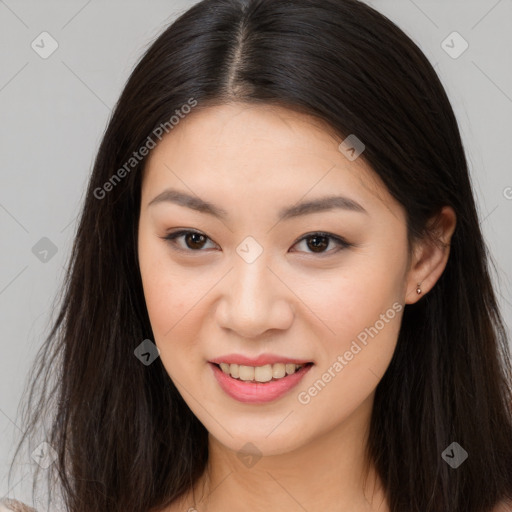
(54, 111)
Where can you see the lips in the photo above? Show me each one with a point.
(259, 386)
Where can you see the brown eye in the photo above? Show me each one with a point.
(193, 240)
(318, 242)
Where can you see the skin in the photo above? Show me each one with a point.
(207, 302)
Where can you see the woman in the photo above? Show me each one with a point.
(279, 294)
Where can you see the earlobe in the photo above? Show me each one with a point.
(430, 255)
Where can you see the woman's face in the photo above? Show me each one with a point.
(256, 288)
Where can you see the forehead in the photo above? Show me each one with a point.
(262, 149)
(241, 130)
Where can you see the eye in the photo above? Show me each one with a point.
(320, 240)
(194, 241)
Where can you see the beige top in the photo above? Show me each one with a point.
(7, 505)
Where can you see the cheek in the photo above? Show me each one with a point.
(352, 298)
(175, 323)
(360, 312)
(353, 360)
(169, 297)
(170, 305)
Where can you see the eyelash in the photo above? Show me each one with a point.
(342, 244)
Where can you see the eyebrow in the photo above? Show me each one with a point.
(321, 204)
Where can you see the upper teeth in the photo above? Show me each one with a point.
(260, 373)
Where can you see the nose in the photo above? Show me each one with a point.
(255, 299)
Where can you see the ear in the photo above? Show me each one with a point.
(430, 255)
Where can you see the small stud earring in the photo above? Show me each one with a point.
(418, 290)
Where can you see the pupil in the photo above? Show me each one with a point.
(316, 246)
(195, 241)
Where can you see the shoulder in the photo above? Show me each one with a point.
(504, 506)
(8, 505)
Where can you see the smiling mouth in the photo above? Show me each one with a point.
(260, 374)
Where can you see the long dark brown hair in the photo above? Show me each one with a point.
(125, 439)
